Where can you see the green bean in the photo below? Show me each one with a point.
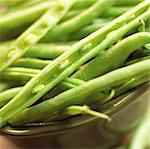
(134, 82)
(116, 11)
(147, 46)
(76, 110)
(52, 74)
(31, 63)
(136, 60)
(86, 31)
(73, 96)
(4, 86)
(34, 33)
(83, 4)
(8, 94)
(112, 58)
(46, 51)
(28, 3)
(75, 23)
(43, 51)
(23, 16)
(11, 3)
(87, 3)
(128, 2)
(103, 97)
(112, 12)
(20, 74)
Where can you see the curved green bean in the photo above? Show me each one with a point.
(114, 57)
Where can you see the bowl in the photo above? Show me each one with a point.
(126, 111)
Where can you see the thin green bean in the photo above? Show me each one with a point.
(87, 3)
(31, 63)
(8, 95)
(46, 51)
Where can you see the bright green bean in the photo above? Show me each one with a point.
(34, 33)
(128, 2)
(75, 110)
(73, 96)
(43, 51)
(112, 12)
(31, 63)
(18, 73)
(112, 58)
(86, 31)
(87, 3)
(134, 82)
(8, 94)
(4, 86)
(116, 11)
(147, 46)
(23, 16)
(52, 74)
(46, 51)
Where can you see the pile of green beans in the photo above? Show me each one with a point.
(61, 58)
